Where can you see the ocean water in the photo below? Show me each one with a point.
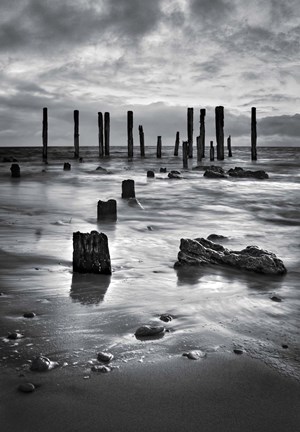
(215, 309)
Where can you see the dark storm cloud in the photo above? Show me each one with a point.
(212, 11)
(281, 125)
(55, 24)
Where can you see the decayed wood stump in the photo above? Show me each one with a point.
(107, 210)
(15, 170)
(128, 189)
(91, 253)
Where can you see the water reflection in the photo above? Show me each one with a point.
(89, 289)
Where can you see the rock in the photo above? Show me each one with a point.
(42, 364)
(238, 351)
(102, 369)
(147, 330)
(214, 172)
(29, 315)
(104, 357)
(284, 346)
(15, 170)
(166, 317)
(67, 166)
(241, 173)
(276, 299)
(102, 170)
(15, 335)
(201, 251)
(26, 388)
(216, 237)
(175, 175)
(163, 170)
(150, 174)
(194, 355)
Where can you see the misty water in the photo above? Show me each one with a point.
(215, 308)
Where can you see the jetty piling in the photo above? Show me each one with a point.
(158, 148)
(199, 149)
(76, 134)
(177, 141)
(202, 130)
(190, 130)
(211, 152)
(100, 135)
(253, 134)
(229, 146)
(106, 133)
(185, 151)
(128, 189)
(91, 253)
(142, 141)
(15, 170)
(45, 134)
(107, 210)
(219, 117)
(130, 133)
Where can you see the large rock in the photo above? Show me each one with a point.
(201, 251)
(214, 172)
(240, 172)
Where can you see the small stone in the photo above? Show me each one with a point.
(15, 335)
(104, 357)
(147, 330)
(42, 364)
(166, 317)
(194, 355)
(276, 299)
(102, 369)
(285, 346)
(26, 388)
(238, 351)
(29, 315)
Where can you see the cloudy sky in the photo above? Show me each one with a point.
(155, 57)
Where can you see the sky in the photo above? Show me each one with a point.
(154, 57)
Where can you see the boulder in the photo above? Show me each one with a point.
(200, 251)
(149, 331)
(174, 175)
(241, 173)
(214, 172)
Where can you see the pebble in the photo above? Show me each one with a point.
(26, 388)
(15, 335)
(285, 346)
(104, 357)
(238, 351)
(194, 355)
(42, 364)
(102, 369)
(166, 317)
(29, 315)
(148, 330)
(276, 299)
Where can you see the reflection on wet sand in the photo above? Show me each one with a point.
(89, 289)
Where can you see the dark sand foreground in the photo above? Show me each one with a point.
(218, 394)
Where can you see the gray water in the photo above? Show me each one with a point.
(215, 308)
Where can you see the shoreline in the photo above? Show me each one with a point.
(219, 393)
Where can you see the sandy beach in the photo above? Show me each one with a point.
(221, 393)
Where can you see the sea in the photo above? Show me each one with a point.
(215, 309)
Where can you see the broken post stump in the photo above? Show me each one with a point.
(91, 253)
(219, 117)
(100, 135)
(211, 152)
(107, 210)
(15, 170)
(202, 130)
(229, 146)
(185, 149)
(253, 134)
(129, 133)
(176, 144)
(45, 134)
(190, 130)
(142, 141)
(199, 149)
(76, 134)
(67, 166)
(150, 174)
(128, 189)
(106, 133)
(158, 148)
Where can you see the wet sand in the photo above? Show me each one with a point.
(217, 394)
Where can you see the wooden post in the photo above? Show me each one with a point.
(142, 141)
(158, 148)
(129, 133)
(76, 133)
(220, 132)
(190, 130)
(15, 170)
(177, 140)
(91, 253)
(45, 134)
(253, 134)
(100, 134)
(107, 210)
(185, 150)
(199, 149)
(128, 189)
(106, 133)
(212, 152)
(229, 146)
(202, 130)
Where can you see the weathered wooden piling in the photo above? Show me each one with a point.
(130, 133)
(128, 189)
(100, 135)
(211, 152)
(190, 130)
(199, 149)
(229, 146)
(142, 141)
(219, 117)
(106, 133)
(202, 130)
(150, 174)
(185, 150)
(91, 253)
(253, 134)
(177, 141)
(76, 133)
(15, 170)
(67, 166)
(45, 134)
(107, 210)
(158, 147)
